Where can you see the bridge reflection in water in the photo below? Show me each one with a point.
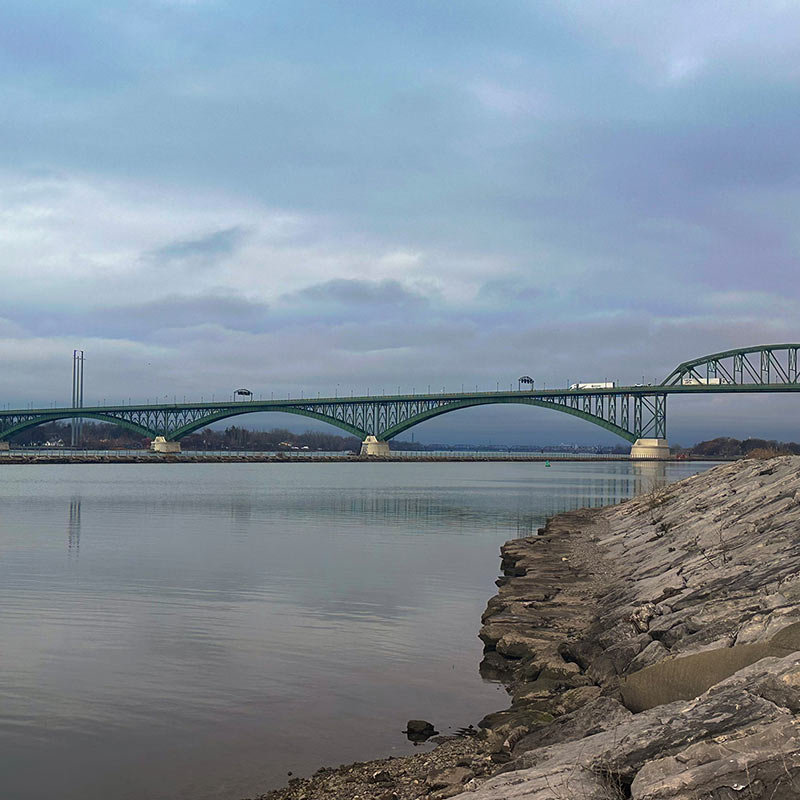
(74, 527)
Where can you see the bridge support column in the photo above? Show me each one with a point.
(161, 445)
(650, 448)
(372, 446)
(5, 446)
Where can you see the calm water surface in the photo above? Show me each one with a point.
(197, 631)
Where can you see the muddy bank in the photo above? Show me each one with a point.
(603, 614)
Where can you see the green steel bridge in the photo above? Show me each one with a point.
(636, 413)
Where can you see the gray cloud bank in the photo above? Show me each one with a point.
(209, 249)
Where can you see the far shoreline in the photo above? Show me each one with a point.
(10, 458)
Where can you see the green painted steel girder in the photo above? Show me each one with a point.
(388, 416)
(175, 421)
(689, 366)
(69, 413)
(439, 410)
(288, 409)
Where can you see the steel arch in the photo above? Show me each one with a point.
(203, 422)
(741, 369)
(439, 410)
(76, 413)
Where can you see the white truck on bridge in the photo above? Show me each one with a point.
(691, 380)
(595, 385)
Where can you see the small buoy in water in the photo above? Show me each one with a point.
(547, 463)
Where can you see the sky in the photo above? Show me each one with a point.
(326, 196)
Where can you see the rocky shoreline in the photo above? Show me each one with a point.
(605, 600)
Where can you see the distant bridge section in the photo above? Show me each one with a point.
(637, 413)
(765, 366)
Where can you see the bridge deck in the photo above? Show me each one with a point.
(647, 390)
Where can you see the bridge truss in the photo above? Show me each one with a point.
(765, 365)
(629, 415)
(632, 412)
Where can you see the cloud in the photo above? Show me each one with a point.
(504, 99)
(227, 309)
(682, 68)
(511, 290)
(357, 293)
(154, 320)
(206, 250)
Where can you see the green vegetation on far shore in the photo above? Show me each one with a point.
(727, 447)
(106, 436)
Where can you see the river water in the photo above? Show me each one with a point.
(200, 630)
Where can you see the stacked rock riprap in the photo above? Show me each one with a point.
(691, 605)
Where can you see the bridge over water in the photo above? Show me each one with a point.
(636, 413)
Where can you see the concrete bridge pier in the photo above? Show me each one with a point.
(650, 448)
(161, 445)
(372, 446)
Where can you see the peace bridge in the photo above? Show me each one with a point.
(637, 413)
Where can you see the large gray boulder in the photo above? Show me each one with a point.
(678, 751)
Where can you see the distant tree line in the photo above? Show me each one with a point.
(727, 447)
(235, 438)
(106, 436)
(96, 436)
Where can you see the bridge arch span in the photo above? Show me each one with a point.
(390, 433)
(228, 413)
(69, 413)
